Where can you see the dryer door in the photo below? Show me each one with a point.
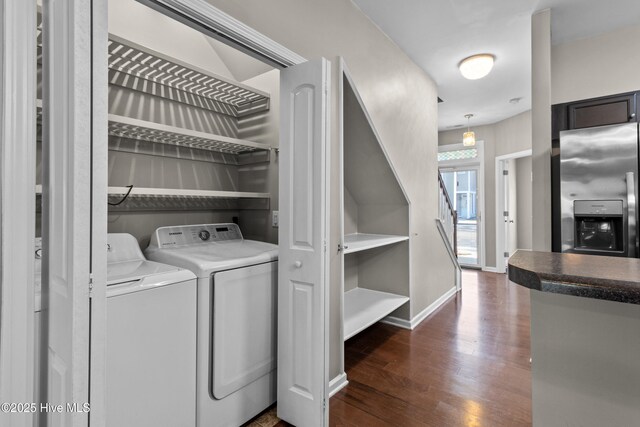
(244, 326)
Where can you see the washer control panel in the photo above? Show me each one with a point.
(193, 234)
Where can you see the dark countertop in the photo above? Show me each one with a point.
(589, 276)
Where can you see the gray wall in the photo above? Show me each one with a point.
(401, 100)
(508, 136)
(524, 202)
(262, 177)
(597, 66)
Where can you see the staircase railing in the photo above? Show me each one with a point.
(447, 222)
(448, 215)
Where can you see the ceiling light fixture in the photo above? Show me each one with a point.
(469, 138)
(476, 66)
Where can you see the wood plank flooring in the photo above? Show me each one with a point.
(466, 365)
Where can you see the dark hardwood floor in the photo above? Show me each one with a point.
(466, 365)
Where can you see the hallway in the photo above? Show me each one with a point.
(466, 365)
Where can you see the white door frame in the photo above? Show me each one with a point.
(17, 204)
(500, 196)
(477, 162)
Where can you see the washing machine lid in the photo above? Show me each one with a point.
(129, 271)
(205, 259)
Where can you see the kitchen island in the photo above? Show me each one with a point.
(585, 337)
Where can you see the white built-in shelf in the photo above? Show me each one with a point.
(361, 242)
(179, 193)
(153, 72)
(364, 307)
(142, 130)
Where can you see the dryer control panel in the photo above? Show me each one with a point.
(193, 234)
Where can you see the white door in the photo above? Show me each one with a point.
(509, 203)
(512, 208)
(302, 274)
(66, 213)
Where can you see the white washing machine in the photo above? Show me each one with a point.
(237, 315)
(151, 339)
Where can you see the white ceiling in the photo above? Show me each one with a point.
(438, 34)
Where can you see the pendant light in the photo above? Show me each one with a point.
(469, 138)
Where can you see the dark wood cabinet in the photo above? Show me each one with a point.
(603, 111)
(610, 110)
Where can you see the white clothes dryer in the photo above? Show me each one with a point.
(151, 339)
(237, 315)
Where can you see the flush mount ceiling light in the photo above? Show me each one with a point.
(476, 66)
(469, 138)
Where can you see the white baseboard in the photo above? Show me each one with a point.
(490, 269)
(337, 384)
(396, 321)
(406, 324)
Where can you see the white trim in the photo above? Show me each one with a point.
(478, 163)
(490, 269)
(337, 384)
(340, 124)
(99, 174)
(413, 323)
(499, 201)
(227, 29)
(17, 204)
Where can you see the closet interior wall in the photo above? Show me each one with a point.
(151, 165)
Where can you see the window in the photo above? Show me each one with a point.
(467, 153)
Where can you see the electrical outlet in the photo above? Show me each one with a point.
(275, 220)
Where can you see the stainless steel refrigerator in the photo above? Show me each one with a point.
(598, 190)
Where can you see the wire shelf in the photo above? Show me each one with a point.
(126, 127)
(140, 68)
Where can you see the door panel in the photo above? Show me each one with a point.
(302, 291)
(512, 208)
(66, 218)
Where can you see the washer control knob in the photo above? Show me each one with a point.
(298, 264)
(204, 235)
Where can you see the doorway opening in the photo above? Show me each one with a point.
(462, 171)
(513, 206)
(462, 187)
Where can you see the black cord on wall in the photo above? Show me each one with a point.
(130, 187)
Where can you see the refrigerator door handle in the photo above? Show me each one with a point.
(631, 216)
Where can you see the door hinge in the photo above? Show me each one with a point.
(506, 213)
(90, 283)
(325, 245)
(324, 404)
(506, 254)
(505, 172)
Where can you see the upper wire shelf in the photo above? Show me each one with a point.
(139, 68)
